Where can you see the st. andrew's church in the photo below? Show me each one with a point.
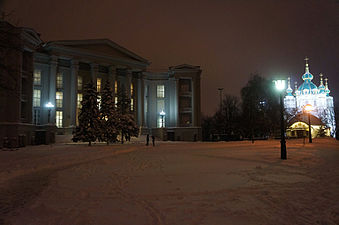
(322, 117)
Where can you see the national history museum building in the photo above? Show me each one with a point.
(42, 86)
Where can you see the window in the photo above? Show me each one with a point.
(132, 89)
(160, 91)
(37, 77)
(161, 121)
(98, 84)
(185, 85)
(116, 87)
(132, 104)
(36, 98)
(58, 118)
(59, 96)
(79, 83)
(59, 80)
(79, 100)
(160, 108)
(160, 105)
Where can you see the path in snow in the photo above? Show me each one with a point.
(172, 183)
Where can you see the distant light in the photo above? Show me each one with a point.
(162, 113)
(280, 84)
(308, 107)
(49, 105)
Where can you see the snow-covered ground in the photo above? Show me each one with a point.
(172, 183)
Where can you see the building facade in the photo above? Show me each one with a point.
(322, 115)
(166, 105)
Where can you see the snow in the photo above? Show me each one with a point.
(171, 183)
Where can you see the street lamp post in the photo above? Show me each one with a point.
(49, 106)
(280, 85)
(308, 108)
(162, 114)
(220, 93)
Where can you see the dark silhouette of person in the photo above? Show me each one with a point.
(153, 140)
(147, 139)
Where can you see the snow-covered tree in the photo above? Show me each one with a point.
(108, 116)
(89, 117)
(127, 125)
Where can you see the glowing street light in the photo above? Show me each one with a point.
(308, 108)
(280, 85)
(162, 114)
(49, 106)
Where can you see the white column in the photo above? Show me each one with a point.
(94, 73)
(129, 81)
(177, 102)
(193, 103)
(74, 91)
(52, 85)
(112, 76)
(140, 99)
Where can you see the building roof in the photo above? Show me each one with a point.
(99, 48)
(303, 117)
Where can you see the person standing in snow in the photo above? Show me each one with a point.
(147, 139)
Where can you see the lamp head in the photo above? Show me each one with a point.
(49, 105)
(162, 113)
(308, 108)
(280, 84)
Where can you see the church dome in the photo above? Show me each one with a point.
(321, 88)
(308, 87)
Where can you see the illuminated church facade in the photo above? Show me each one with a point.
(322, 116)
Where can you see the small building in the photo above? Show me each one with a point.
(322, 115)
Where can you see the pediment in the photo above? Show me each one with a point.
(103, 47)
(184, 67)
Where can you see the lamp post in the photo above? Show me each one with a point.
(220, 93)
(49, 106)
(280, 85)
(162, 114)
(308, 108)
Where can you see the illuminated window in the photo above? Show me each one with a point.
(161, 121)
(132, 89)
(132, 104)
(79, 99)
(58, 98)
(36, 98)
(116, 87)
(99, 101)
(37, 77)
(79, 83)
(160, 108)
(160, 105)
(115, 101)
(58, 118)
(160, 91)
(59, 80)
(98, 84)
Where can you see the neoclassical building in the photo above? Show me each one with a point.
(166, 104)
(322, 115)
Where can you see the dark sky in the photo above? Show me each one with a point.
(229, 39)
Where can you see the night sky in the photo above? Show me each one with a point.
(229, 39)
